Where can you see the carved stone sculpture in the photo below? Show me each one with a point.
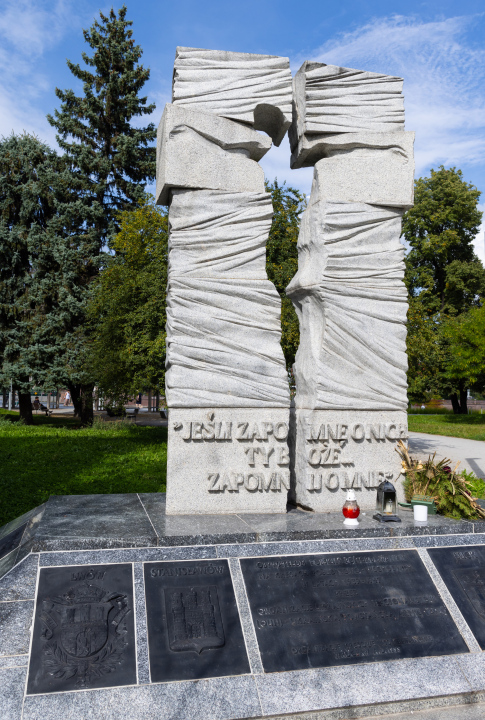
(253, 89)
(226, 380)
(350, 368)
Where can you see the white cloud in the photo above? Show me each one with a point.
(444, 78)
(29, 29)
(30, 26)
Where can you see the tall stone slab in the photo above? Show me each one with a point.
(226, 381)
(349, 294)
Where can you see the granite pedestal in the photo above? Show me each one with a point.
(89, 580)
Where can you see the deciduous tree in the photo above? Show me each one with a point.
(444, 278)
(282, 259)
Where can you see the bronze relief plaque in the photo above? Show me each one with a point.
(83, 635)
(314, 611)
(463, 572)
(193, 622)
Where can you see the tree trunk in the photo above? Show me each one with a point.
(459, 402)
(455, 403)
(25, 407)
(4, 398)
(157, 402)
(75, 391)
(82, 399)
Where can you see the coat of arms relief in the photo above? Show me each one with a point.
(84, 633)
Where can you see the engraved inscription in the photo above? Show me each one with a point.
(333, 455)
(472, 580)
(194, 618)
(321, 610)
(83, 632)
(263, 458)
(463, 572)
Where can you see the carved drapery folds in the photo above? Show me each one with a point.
(349, 292)
(224, 358)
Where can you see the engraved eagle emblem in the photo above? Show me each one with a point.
(194, 618)
(84, 633)
(472, 580)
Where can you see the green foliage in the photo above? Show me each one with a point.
(462, 426)
(49, 459)
(465, 336)
(128, 306)
(441, 267)
(282, 259)
(475, 484)
(110, 161)
(113, 159)
(35, 184)
(425, 353)
(450, 491)
(445, 280)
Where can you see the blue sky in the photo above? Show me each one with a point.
(437, 47)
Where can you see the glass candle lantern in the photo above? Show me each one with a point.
(351, 510)
(386, 503)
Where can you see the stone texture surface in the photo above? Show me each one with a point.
(245, 616)
(219, 234)
(12, 682)
(339, 449)
(214, 699)
(349, 292)
(90, 521)
(312, 148)
(223, 314)
(199, 150)
(333, 99)
(15, 623)
(227, 461)
(308, 690)
(473, 668)
(383, 176)
(11, 661)
(250, 88)
(143, 668)
(453, 608)
(20, 582)
(351, 303)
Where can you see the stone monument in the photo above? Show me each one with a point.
(349, 294)
(226, 381)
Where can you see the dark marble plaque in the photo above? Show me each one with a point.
(193, 622)
(463, 571)
(321, 610)
(84, 634)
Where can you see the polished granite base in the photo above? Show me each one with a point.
(99, 530)
(83, 522)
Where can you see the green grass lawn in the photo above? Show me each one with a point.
(461, 426)
(57, 457)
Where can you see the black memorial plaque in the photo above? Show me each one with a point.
(321, 610)
(463, 572)
(84, 635)
(193, 622)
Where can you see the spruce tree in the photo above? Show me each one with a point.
(111, 160)
(30, 177)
